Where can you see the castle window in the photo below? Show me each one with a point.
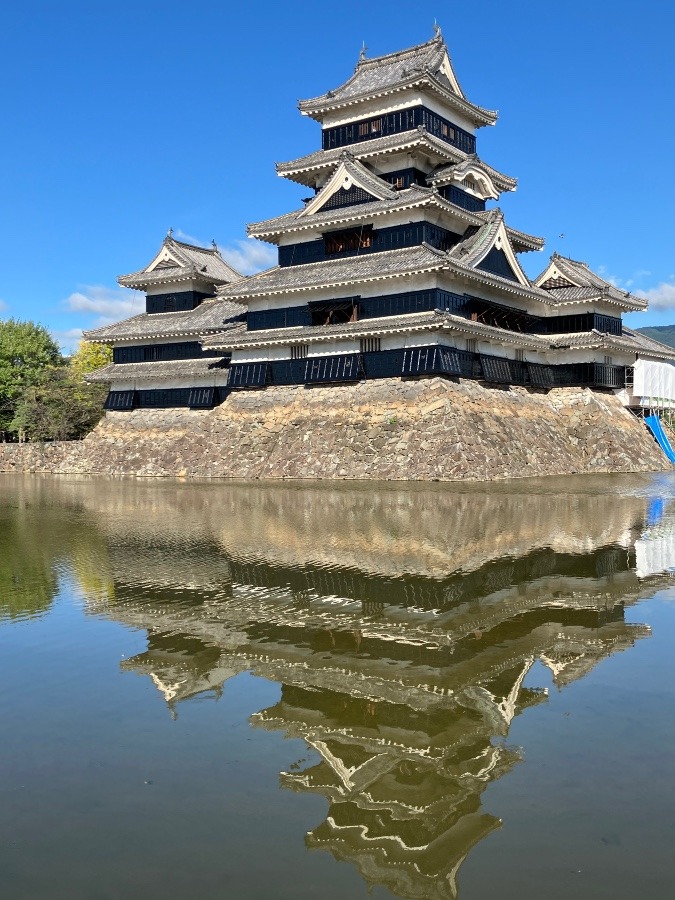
(334, 312)
(363, 129)
(348, 241)
(471, 345)
(370, 345)
(376, 125)
(609, 361)
(520, 355)
(399, 183)
(300, 351)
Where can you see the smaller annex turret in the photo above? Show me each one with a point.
(158, 359)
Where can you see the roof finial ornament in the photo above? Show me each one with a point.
(437, 29)
(362, 54)
(214, 245)
(169, 232)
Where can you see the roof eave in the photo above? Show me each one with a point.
(317, 107)
(255, 230)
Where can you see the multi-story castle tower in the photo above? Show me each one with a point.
(394, 266)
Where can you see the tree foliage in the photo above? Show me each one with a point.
(58, 406)
(25, 350)
(88, 357)
(44, 397)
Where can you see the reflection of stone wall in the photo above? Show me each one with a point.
(385, 429)
(389, 530)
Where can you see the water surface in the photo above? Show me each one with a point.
(253, 690)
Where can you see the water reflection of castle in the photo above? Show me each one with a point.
(402, 638)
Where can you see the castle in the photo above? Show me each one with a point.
(395, 267)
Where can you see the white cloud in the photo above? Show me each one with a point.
(109, 303)
(250, 256)
(247, 256)
(67, 340)
(661, 297)
(189, 238)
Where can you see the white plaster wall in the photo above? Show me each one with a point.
(153, 384)
(180, 287)
(261, 354)
(332, 348)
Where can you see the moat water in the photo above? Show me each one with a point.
(218, 690)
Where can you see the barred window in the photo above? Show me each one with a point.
(399, 183)
(348, 241)
(520, 355)
(609, 361)
(299, 351)
(370, 345)
(471, 345)
(363, 129)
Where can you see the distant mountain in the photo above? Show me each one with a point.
(663, 333)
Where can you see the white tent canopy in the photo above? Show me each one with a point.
(654, 384)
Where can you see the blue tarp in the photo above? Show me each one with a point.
(656, 428)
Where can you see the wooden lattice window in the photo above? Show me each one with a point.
(520, 355)
(471, 345)
(300, 351)
(370, 345)
(348, 241)
(363, 129)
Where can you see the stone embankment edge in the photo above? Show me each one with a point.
(430, 430)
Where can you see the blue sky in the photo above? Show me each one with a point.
(120, 120)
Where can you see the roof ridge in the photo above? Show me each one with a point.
(436, 39)
(212, 250)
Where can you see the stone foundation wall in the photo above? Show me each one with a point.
(385, 429)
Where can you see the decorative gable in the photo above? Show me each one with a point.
(447, 70)
(499, 258)
(552, 278)
(350, 184)
(165, 259)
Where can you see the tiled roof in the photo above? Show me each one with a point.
(364, 176)
(584, 284)
(521, 240)
(446, 173)
(414, 196)
(396, 71)
(313, 333)
(184, 262)
(391, 143)
(179, 368)
(630, 341)
(424, 321)
(345, 272)
(474, 246)
(210, 315)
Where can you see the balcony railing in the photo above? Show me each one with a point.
(404, 362)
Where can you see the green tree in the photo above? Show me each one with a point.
(88, 357)
(58, 406)
(25, 350)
